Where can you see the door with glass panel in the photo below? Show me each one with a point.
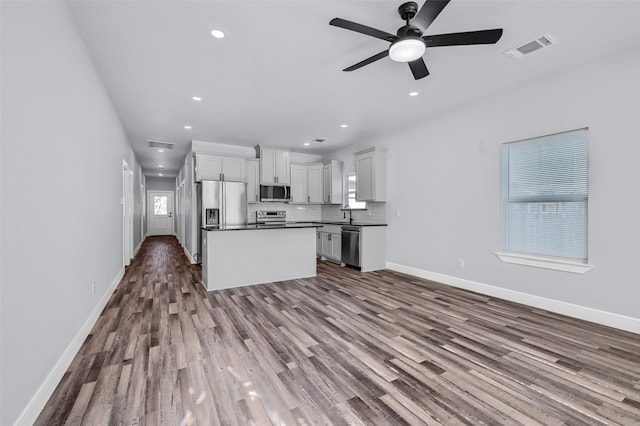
(160, 212)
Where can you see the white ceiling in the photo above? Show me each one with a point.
(276, 78)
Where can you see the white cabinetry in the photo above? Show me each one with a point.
(274, 165)
(330, 245)
(371, 175)
(253, 182)
(332, 182)
(213, 167)
(299, 183)
(315, 183)
(306, 183)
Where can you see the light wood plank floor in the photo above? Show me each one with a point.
(378, 348)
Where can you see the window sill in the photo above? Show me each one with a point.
(544, 262)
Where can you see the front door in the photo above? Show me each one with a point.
(160, 212)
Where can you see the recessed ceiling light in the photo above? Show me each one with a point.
(160, 166)
(307, 143)
(197, 98)
(159, 174)
(161, 150)
(188, 127)
(344, 125)
(413, 94)
(217, 34)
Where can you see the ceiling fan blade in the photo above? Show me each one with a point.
(465, 38)
(428, 13)
(362, 29)
(368, 61)
(418, 68)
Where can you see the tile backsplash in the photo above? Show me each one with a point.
(375, 213)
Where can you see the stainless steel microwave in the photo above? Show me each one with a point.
(275, 193)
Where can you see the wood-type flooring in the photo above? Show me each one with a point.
(377, 348)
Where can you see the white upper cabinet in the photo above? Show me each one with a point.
(208, 167)
(314, 173)
(306, 183)
(253, 183)
(233, 169)
(299, 184)
(274, 165)
(214, 167)
(332, 182)
(371, 175)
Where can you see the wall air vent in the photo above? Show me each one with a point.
(530, 47)
(320, 140)
(159, 144)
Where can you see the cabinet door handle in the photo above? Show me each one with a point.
(257, 197)
(221, 176)
(308, 198)
(329, 237)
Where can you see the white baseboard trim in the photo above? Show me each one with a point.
(609, 319)
(44, 392)
(135, 251)
(191, 259)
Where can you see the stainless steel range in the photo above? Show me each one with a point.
(271, 217)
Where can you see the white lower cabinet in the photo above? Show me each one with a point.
(329, 242)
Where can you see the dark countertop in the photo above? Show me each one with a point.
(290, 225)
(257, 227)
(352, 224)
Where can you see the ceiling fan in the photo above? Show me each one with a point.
(409, 43)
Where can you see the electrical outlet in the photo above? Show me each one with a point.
(93, 288)
(461, 263)
(397, 212)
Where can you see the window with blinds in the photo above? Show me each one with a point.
(545, 196)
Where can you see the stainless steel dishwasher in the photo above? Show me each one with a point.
(351, 245)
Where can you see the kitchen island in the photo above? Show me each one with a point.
(236, 256)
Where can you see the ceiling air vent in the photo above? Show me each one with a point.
(159, 144)
(530, 47)
(320, 140)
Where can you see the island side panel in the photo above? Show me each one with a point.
(373, 250)
(247, 257)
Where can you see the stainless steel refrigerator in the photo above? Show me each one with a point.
(221, 204)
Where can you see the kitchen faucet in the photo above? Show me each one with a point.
(344, 216)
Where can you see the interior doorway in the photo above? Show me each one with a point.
(127, 214)
(160, 207)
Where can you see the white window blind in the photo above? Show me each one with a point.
(545, 195)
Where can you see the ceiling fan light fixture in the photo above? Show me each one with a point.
(407, 49)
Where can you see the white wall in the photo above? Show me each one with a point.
(444, 178)
(61, 218)
(160, 183)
